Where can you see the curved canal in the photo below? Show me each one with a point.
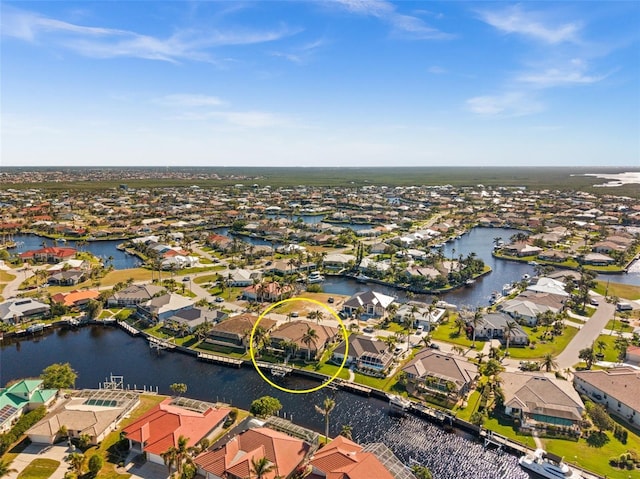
(96, 352)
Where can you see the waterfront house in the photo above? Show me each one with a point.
(597, 259)
(338, 261)
(365, 353)
(521, 249)
(632, 355)
(234, 332)
(548, 285)
(22, 397)
(295, 331)
(373, 304)
(187, 320)
(133, 295)
(616, 389)
(525, 311)
(554, 256)
(267, 292)
(420, 313)
(232, 458)
(160, 308)
(86, 413)
(539, 401)
(494, 325)
(344, 459)
(439, 375)
(50, 254)
(18, 310)
(76, 299)
(159, 429)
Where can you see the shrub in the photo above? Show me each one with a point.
(95, 464)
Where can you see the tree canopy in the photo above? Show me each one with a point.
(265, 406)
(58, 376)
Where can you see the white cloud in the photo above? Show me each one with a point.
(405, 25)
(437, 70)
(301, 54)
(514, 19)
(575, 73)
(97, 42)
(188, 100)
(509, 104)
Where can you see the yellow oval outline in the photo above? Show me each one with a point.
(299, 391)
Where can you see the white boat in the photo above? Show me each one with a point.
(315, 277)
(526, 277)
(540, 465)
(362, 278)
(533, 263)
(398, 403)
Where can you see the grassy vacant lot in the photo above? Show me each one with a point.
(39, 469)
(6, 277)
(609, 351)
(626, 291)
(593, 458)
(555, 346)
(448, 332)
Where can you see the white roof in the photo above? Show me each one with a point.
(549, 285)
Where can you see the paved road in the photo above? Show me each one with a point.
(586, 335)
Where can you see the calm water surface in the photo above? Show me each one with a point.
(97, 352)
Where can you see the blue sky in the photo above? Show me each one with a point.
(320, 83)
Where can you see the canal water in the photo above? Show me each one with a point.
(96, 352)
(101, 249)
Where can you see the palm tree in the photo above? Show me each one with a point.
(509, 328)
(548, 363)
(182, 451)
(169, 457)
(477, 317)
(261, 467)
(311, 336)
(76, 460)
(328, 406)
(6, 469)
(613, 300)
(480, 356)
(347, 431)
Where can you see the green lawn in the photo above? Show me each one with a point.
(592, 458)
(6, 277)
(39, 469)
(504, 427)
(207, 278)
(554, 346)
(448, 332)
(610, 352)
(618, 325)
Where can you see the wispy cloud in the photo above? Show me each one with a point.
(188, 100)
(509, 104)
(404, 25)
(515, 19)
(301, 54)
(98, 42)
(437, 70)
(574, 73)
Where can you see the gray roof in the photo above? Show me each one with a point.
(196, 316)
(621, 384)
(446, 366)
(359, 345)
(19, 307)
(137, 292)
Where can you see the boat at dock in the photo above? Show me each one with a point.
(541, 465)
(315, 277)
(398, 404)
(362, 278)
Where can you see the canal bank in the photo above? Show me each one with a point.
(96, 352)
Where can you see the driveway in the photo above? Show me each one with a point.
(586, 335)
(40, 451)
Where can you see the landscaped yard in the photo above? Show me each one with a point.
(610, 352)
(39, 469)
(5, 277)
(618, 325)
(595, 459)
(555, 346)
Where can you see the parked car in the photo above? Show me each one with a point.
(295, 314)
(368, 329)
(594, 302)
(419, 330)
(398, 350)
(624, 307)
(218, 299)
(330, 300)
(434, 346)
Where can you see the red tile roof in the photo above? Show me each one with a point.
(235, 456)
(161, 427)
(344, 459)
(69, 299)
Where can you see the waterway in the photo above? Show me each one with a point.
(96, 352)
(101, 249)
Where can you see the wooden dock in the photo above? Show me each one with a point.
(353, 387)
(213, 358)
(128, 328)
(276, 369)
(160, 344)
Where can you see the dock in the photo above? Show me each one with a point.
(128, 328)
(353, 387)
(279, 370)
(432, 414)
(213, 358)
(160, 344)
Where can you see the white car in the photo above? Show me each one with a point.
(420, 330)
